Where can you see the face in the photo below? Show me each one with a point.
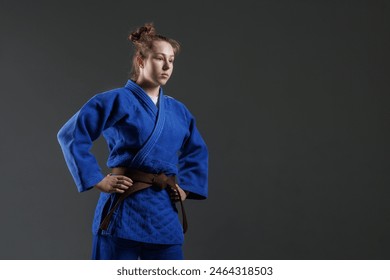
(157, 67)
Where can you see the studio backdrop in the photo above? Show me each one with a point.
(291, 97)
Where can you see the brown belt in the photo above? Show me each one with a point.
(142, 180)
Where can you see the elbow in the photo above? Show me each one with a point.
(62, 136)
(66, 133)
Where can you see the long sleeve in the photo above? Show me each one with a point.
(79, 132)
(193, 164)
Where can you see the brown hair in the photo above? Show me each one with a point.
(143, 39)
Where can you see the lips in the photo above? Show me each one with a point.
(165, 75)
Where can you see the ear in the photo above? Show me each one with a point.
(140, 62)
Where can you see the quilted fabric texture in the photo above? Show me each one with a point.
(148, 216)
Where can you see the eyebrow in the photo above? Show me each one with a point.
(165, 54)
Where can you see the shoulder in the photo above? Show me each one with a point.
(111, 96)
(113, 93)
(173, 102)
(115, 101)
(178, 108)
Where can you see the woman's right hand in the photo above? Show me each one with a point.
(114, 184)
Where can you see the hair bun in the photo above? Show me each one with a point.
(143, 32)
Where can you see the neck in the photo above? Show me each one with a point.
(151, 90)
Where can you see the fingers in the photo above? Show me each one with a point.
(124, 178)
(123, 184)
(116, 190)
(119, 184)
(183, 193)
(174, 196)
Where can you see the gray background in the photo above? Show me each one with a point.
(292, 98)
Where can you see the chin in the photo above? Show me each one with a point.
(162, 82)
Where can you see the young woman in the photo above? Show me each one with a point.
(158, 157)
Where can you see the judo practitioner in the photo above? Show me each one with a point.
(157, 157)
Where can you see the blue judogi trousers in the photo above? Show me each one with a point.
(106, 247)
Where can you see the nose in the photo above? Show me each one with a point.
(166, 65)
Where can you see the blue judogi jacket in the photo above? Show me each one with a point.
(127, 118)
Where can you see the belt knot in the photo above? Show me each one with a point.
(160, 180)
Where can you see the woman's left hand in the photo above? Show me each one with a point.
(174, 194)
